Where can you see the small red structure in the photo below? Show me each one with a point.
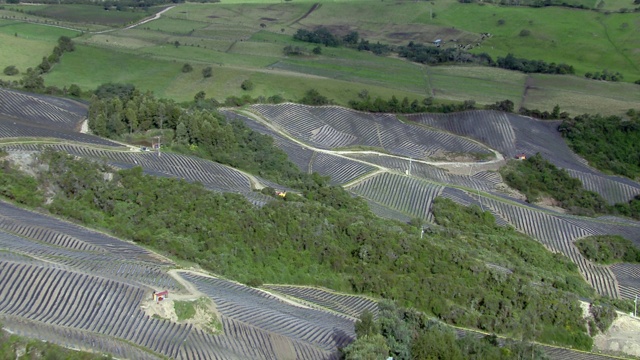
(159, 296)
(521, 156)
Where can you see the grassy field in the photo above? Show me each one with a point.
(82, 14)
(229, 37)
(28, 44)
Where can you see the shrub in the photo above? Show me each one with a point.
(247, 85)
(187, 68)
(11, 70)
(525, 32)
(207, 72)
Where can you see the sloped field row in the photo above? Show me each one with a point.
(408, 195)
(45, 235)
(324, 331)
(189, 168)
(351, 305)
(333, 127)
(386, 212)
(488, 127)
(628, 276)
(629, 229)
(554, 353)
(74, 339)
(340, 170)
(92, 304)
(611, 190)
(482, 181)
(111, 244)
(27, 107)
(557, 235)
(101, 264)
(21, 129)
(302, 124)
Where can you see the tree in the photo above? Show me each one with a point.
(176, 43)
(367, 348)
(187, 68)
(74, 90)
(366, 325)
(317, 50)
(247, 85)
(11, 70)
(207, 72)
(66, 44)
(199, 96)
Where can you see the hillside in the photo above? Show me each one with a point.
(393, 184)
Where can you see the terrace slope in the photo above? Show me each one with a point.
(79, 260)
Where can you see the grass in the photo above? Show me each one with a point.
(185, 310)
(78, 13)
(579, 95)
(228, 36)
(28, 47)
(484, 85)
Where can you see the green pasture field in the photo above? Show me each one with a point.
(89, 67)
(29, 46)
(578, 96)
(81, 14)
(174, 26)
(245, 14)
(484, 85)
(115, 41)
(404, 76)
(192, 53)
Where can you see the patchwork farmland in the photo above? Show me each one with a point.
(88, 290)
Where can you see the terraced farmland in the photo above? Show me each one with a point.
(66, 114)
(345, 304)
(312, 334)
(405, 194)
(331, 127)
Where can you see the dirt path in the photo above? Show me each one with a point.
(314, 7)
(155, 17)
(621, 337)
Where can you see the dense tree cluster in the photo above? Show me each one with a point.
(605, 75)
(117, 110)
(393, 105)
(319, 36)
(406, 334)
(608, 249)
(326, 237)
(609, 143)
(511, 62)
(437, 55)
(536, 177)
(544, 115)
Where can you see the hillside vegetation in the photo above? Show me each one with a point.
(537, 178)
(325, 237)
(608, 249)
(16, 347)
(611, 144)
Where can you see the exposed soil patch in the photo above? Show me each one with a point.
(551, 204)
(622, 336)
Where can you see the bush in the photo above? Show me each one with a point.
(187, 68)
(525, 32)
(247, 85)
(11, 70)
(207, 72)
